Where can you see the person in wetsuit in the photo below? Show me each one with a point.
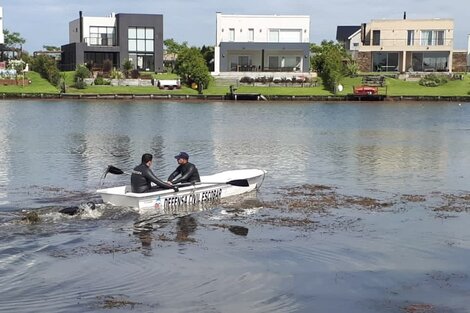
(142, 176)
(186, 172)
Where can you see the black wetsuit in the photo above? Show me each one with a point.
(188, 172)
(141, 178)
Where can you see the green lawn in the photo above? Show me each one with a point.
(38, 85)
(394, 87)
(452, 88)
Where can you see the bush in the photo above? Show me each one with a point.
(107, 66)
(80, 84)
(135, 74)
(351, 69)
(81, 73)
(89, 66)
(53, 75)
(116, 74)
(247, 80)
(99, 80)
(127, 67)
(47, 68)
(433, 80)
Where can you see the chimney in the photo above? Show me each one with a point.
(404, 15)
(80, 14)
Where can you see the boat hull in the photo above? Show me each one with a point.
(211, 188)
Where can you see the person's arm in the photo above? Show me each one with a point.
(188, 174)
(157, 181)
(174, 174)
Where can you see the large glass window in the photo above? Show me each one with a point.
(284, 63)
(430, 61)
(141, 39)
(97, 59)
(101, 36)
(432, 37)
(385, 61)
(142, 61)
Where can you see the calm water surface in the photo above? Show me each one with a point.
(404, 258)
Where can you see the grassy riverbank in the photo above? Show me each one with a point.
(394, 87)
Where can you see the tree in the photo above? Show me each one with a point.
(328, 61)
(172, 47)
(208, 55)
(51, 48)
(192, 68)
(81, 73)
(13, 39)
(47, 68)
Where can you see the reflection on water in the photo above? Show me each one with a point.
(364, 208)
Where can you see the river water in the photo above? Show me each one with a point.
(365, 208)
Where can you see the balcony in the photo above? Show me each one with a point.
(434, 44)
(100, 41)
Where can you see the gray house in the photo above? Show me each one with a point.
(118, 38)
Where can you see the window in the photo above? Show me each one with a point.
(273, 63)
(285, 35)
(432, 38)
(101, 36)
(385, 62)
(430, 61)
(244, 60)
(376, 38)
(411, 38)
(273, 35)
(142, 61)
(290, 35)
(231, 32)
(251, 34)
(141, 39)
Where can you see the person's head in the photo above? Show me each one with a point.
(182, 158)
(147, 158)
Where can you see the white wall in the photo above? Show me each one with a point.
(2, 39)
(261, 24)
(355, 41)
(74, 26)
(468, 52)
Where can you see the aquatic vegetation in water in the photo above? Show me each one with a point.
(112, 302)
(31, 218)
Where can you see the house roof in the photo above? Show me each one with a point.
(344, 32)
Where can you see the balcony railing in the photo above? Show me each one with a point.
(100, 41)
(410, 43)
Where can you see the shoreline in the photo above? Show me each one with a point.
(345, 98)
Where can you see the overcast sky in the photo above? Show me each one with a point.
(45, 22)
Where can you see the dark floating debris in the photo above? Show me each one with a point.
(72, 210)
(238, 230)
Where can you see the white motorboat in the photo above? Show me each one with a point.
(211, 188)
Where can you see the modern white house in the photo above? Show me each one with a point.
(118, 38)
(261, 43)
